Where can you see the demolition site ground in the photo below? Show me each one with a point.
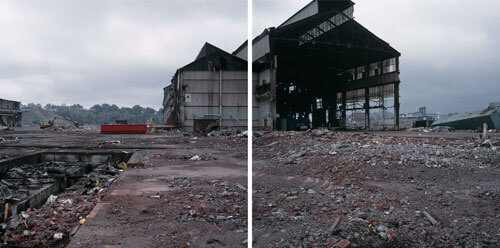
(158, 190)
(376, 189)
(70, 188)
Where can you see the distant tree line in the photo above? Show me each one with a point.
(96, 115)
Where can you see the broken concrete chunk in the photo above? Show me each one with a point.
(58, 236)
(195, 158)
(52, 199)
(298, 154)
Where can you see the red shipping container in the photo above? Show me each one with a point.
(124, 129)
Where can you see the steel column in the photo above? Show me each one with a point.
(396, 104)
(344, 107)
(367, 108)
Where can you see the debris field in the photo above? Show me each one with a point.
(376, 189)
(56, 221)
(177, 190)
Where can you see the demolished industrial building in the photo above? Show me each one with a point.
(209, 92)
(10, 114)
(320, 65)
(311, 71)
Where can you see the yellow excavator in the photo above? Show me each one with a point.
(151, 124)
(50, 123)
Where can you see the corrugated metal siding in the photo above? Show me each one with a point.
(261, 48)
(495, 118)
(309, 10)
(243, 53)
(471, 120)
(203, 89)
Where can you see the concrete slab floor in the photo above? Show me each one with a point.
(169, 201)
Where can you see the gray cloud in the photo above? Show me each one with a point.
(115, 51)
(125, 51)
(450, 48)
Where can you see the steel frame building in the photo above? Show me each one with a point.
(319, 64)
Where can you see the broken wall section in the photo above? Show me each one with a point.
(10, 113)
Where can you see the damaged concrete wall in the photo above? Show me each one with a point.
(168, 99)
(261, 102)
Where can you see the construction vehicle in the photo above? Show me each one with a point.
(50, 123)
(151, 124)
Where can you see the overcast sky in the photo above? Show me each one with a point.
(450, 48)
(125, 51)
(107, 51)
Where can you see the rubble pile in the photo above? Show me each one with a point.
(204, 211)
(224, 132)
(221, 203)
(9, 139)
(164, 199)
(61, 128)
(56, 221)
(165, 131)
(295, 148)
(321, 188)
(71, 129)
(431, 129)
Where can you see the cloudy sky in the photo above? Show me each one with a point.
(450, 48)
(125, 51)
(107, 51)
